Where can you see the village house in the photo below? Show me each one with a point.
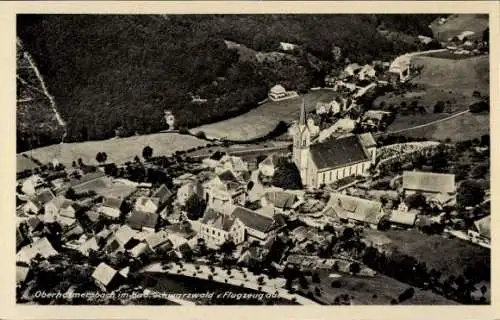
(403, 219)
(106, 278)
(158, 240)
(278, 93)
(232, 163)
(281, 201)
(54, 206)
(258, 227)
(401, 67)
(121, 239)
(32, 184)
(140, 249)
(216, 228)
(187, 190)
(36, 203)
(333, 159)
(269, 164)
(353, 209)
(111, 207)
(40, 247)
(163, 194)
(288, 46)
(429, 184)
(375, 117)
(89, 245)
(481, 231)
(330, 106)
(147, 204)
(367, 72)
(214, 160)
(224, 190)
(22, 274)
(143, 221)
(351, 69)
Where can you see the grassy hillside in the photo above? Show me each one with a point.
(456, 24)
(122, 71)
(118, 150)
(260, 121)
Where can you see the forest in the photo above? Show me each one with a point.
(109, 72)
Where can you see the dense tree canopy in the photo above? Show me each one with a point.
(118, 73)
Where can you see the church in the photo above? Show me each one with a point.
(332, 159)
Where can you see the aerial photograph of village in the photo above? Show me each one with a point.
(265, 159)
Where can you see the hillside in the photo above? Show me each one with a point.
(116, 71)
(457, 23)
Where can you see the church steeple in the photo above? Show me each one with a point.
(302, 118)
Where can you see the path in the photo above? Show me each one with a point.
(425, 124)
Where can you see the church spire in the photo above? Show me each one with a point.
(302, 119)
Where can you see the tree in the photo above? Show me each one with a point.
(71, 194)
(147, 152)
(469, 193)
(287, 176)
(354, 268)
(479, 171)
(80, 162)
(101, 157)
(439, 107)
(228, 247)
(315, 278)
(195, 206)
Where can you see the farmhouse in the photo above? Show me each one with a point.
(224, 190)
(354, 209)
(428, 183)
(157, 240)
(402, 218)
(163, 194)
(35, 204)
(367, 72)
(40, 247)
(187, 190)
(30, 185)
(481, 232)
(257, 226)
(147, 204)
(216, 228)
(287, 46)
(278, 93)
(332, 159)
(143, 221)
(401, 67)
(106, 277)
(111, 207)
(280, 200)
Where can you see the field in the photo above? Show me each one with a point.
(118, 150)
(263, 119)
(464, 127)
(463, 75)
(447, 55)
(456, 24)
(378, 290)
(23, 163)
(450, 81)
(431, 250)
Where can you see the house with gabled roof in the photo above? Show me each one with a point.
(404, 219)
(111, 207)
(147, 204)
(106, 277)
(158, 240)
(121, 239)
(163, 194)
(53, 207)
(481, 231)
(22, 274)
(430, 184)
(258, 227)
(36, 203)
(281, 200)
(90, 244)
(269, 164)
(354, 209)
(216, 228)
(143, 221)
(40, 247)
(224, 189)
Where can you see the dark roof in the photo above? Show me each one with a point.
(217, 220)
(138, 220)
(163, 193)
(87, 177)
(227, 176)
(337, 152)
(217, 155)
(281, 199)
(45, 196)
(253, 220)
(34, 222)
